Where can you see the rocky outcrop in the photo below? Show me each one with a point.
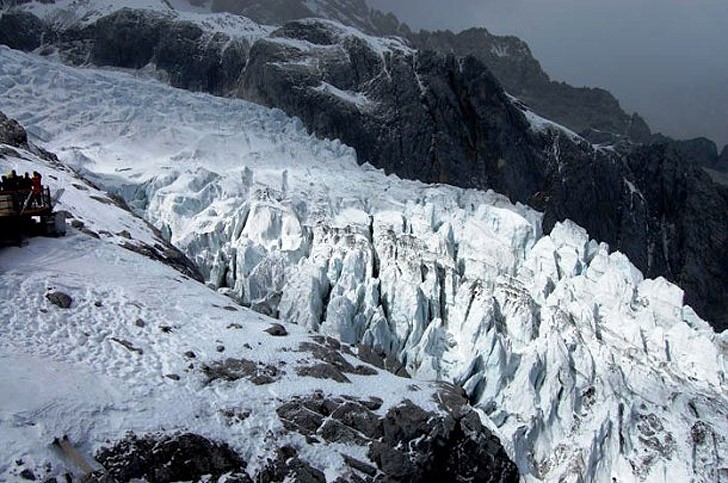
(355, 13)
(12, 133)
(181, 51)
(701, 151)
(166, 458)
(688, 237)
(422, 116)
(592, 111)
(22, 30)
(408, 443)
(722, 163)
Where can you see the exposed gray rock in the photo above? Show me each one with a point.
(60, 299)
(12, 133)
(360, 466)
(165, 253)
(336, 432)
(322, 370)
(332, 359)
(27, 474)
(383, 360)
(127, 345)
(360, 418)
(287, 466)
(21, 30)
(722, 163)
(701, 151)
(297, 417)
(233, 369)
(166, 458)
(277, 330)
(408, 443)
(581, 109)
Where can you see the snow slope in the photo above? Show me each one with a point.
(80, 13)
(587, 371)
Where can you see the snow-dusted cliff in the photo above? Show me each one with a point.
(587, 371)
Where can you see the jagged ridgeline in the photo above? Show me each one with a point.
(434, 115)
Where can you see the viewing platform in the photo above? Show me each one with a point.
(24, 213)
(24, 203)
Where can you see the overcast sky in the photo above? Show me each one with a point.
(666, 59)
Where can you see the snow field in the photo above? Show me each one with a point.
(587, 371)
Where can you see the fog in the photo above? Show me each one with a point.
(666, 59)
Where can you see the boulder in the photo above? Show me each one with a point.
(60, 299)
(12, 133)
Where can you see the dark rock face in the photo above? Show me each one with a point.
(165, 458)
(511, 61)
(277, 330)
(21, 30)
(165, 253)
(701, 151)
(183, 53)
(355, 13)
(233, 369)
(12, 133)
(408, 443)
(687, 212)
(287, 466)
(332, 365)
(428, 117)
(722, 163)
(382, 360)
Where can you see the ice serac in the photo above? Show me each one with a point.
(586, 369)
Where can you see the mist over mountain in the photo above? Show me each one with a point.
(667, 60)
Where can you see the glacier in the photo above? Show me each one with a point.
(586, 370)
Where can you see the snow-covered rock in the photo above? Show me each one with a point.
(588, 371)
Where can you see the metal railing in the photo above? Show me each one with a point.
(25, 202)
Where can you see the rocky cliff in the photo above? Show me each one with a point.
(722, 163)
(354, 13)
(593, 112)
